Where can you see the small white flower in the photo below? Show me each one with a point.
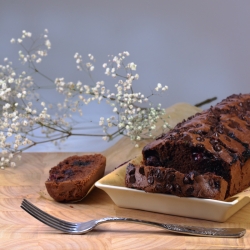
(6, 106)
(165, 88)
(153, 127)
(132, 66)
(126, 53)
(136, 76)
(12, 164)
(159, 85)
(48, 44)
(107, 72)
(9, 134)
(25, 123)
(91, 57)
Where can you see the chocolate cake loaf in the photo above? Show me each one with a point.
(72, 178)
(213, 142)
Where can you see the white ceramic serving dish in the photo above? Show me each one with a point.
(220, 211)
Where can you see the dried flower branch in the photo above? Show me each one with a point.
(24, 112)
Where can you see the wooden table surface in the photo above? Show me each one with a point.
(21, 231)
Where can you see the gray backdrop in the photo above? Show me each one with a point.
(199, 48)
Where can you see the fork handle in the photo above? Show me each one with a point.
(182, 229)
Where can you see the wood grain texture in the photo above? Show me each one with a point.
(18, 230)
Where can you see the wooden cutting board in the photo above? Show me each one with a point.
(21, 231)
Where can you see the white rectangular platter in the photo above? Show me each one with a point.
(114, 185)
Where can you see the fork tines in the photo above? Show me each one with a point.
(48, 219)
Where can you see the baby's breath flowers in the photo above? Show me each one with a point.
(133, 117)
(24, 112)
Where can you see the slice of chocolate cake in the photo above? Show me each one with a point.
(214, 141)
(72, 178)
(169, 181)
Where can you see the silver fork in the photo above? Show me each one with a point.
(85, 227)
